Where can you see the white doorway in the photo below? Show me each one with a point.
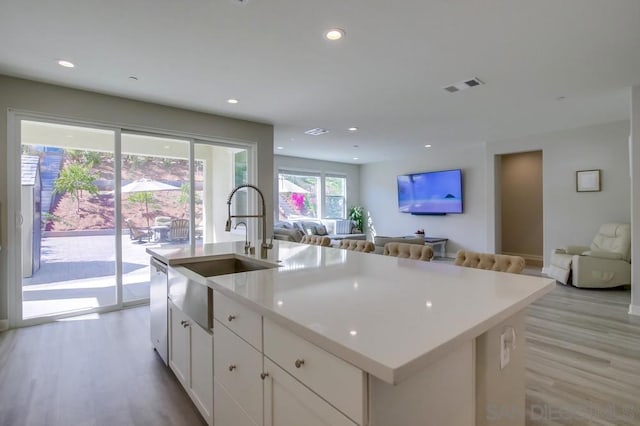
(520, 206)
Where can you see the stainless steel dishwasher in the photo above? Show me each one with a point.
(158, 309)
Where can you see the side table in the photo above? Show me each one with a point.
(437, 243)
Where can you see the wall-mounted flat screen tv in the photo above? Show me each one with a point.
(431, 192)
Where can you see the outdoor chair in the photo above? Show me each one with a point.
(179, 230)
(137, 233)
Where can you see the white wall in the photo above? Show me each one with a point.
(352, 172)
(379, 195)
(569, 217)
(572, 217)
(25, 95)
(634, 147)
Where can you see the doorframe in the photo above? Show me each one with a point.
(14, 233)
(494, 219)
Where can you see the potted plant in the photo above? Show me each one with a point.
(420, 233)
(356, 214)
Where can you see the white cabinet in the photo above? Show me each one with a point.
(179, 344)
(289, 403)
(335, 380)
(201, 371)
(267, 376)
(191, 359)
(228, 411)
(238, 367)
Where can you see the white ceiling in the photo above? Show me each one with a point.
(385, 76)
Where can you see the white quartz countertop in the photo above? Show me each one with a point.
(390, 317)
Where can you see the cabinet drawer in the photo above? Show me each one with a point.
(240, 319)
(227, 411)
(288, 402)
(338, 382)
(237, 368)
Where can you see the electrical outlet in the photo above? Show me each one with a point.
(505, 351)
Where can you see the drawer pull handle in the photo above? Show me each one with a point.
(231, 318)
(299, 363)
(264, 375)
(185, 324)
(232, 367)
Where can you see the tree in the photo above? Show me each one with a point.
(144, 197)
(74, 179)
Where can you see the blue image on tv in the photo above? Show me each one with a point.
(431, 193)
(405, 193)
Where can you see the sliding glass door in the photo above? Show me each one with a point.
(91, 200)
(155, 188)
(67, 249)
(217, 171)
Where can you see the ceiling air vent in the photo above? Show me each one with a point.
(465, 84)
(316, 132)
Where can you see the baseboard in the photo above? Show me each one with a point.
(545, 271)
(4, 325)
(634, 310)
(530, 259)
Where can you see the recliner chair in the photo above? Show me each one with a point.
(606, 263)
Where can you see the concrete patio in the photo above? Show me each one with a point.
(77, 273)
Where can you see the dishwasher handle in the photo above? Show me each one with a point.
(160, 267)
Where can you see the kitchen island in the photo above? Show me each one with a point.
(375, 340)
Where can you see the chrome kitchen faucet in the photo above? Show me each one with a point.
(264, 246)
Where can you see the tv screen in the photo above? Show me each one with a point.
(431, 192)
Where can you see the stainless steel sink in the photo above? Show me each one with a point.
(192, 295)
(214, 267)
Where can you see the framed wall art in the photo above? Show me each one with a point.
(588, 180)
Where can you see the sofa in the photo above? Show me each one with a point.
(294, 230)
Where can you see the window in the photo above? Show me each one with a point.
(300, 196)
(240, 177)
(335, 197)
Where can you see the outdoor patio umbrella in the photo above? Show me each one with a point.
(147, 185)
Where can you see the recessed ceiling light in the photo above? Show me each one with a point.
(65, 64)
(427, 146)
(356, 146)
(353, 333)
(280, 147)
(232, 101)
(355, 158)
(133, 77)
(353, 129)
(334, 34)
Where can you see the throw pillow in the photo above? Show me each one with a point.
(321, 230)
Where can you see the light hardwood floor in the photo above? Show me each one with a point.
(583, 359)
(89, 372)
(583, 368)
